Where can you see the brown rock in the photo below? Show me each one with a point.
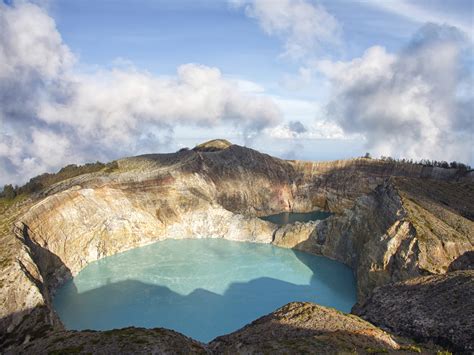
(437, 308)
(306, 328)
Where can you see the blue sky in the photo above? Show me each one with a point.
(160, 34)
(302, 79)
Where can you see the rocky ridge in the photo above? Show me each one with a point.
(387, 225)
(306, 328)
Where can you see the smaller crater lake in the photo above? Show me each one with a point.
(292, 217)
(202, 288)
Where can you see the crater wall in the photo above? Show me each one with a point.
(385, 226)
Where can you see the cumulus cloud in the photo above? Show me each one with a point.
(303, 26)
(52, 114)
(415, 104)
(115, 103)
(320, 129)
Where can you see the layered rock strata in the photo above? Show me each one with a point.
(391, 221)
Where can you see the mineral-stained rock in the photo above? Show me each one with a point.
(393, 234)
(390, 221)
(436, 308)
(306, 328)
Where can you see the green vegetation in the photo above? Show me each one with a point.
(412, 348)
(424, 162)
(9, 192)
(68, 350)
(430, 163)
(42, 181)
(6, 203)
(376, 350)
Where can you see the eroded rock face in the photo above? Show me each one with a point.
(391, 222)
(384, 236)
(436, 308)
(84, 225)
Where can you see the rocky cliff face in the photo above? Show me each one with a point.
(391, 221)
(437, 308)
(391, 233)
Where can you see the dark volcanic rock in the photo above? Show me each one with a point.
(464, 262)
(306, 328)
(438, 308)
(117, 341)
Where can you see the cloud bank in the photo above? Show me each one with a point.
(51, 113)
(416, 104)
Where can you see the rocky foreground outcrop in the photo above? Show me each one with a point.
(112, 342)
(306, 328)
(391, 222)
(438, 308)
(298, 327)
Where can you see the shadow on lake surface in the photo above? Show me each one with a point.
(201, 314)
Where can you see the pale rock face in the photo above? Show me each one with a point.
(379, 227)
(216, 222)
(292, 235)
(26, 294)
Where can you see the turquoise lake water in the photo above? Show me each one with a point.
(292, 217)
(202, 288)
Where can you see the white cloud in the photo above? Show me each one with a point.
(407, 105)
(29, 43)
(52, 114)
(307, 120)
(303, 26)
(318, 130)
(118, 102)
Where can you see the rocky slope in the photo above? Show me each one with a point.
(117, 341)
(306, 328)
(294, 328)
(394, 232)
(437, 308)
(391, 221)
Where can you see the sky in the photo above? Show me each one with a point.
(91, 80)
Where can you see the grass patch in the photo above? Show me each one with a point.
(412, 348)
(376, 350)
(69, 350)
